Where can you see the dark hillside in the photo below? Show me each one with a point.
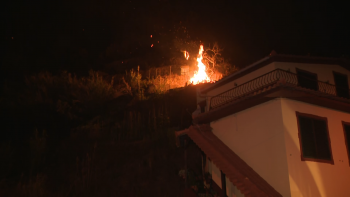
(70, 136)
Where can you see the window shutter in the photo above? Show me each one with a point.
(347, 136)
(307, 137)
(314, 138)
(321, 138)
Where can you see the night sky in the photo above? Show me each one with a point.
(80, 35)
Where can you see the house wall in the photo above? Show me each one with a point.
(309, 178)
(256, 135)
(239, 81)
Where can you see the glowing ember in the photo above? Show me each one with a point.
(186, 54)
(200, 76)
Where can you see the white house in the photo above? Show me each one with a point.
(279, 127)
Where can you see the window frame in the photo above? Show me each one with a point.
(346, 142)
(328, 136)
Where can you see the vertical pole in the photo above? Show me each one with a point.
(170, 79)
(204, 164)
(138, 77)
(185, 162)
(223, 184)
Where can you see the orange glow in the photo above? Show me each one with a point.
(152, 45)
(200, 76)
(151, 36)
(186, 54)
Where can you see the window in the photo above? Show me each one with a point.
(307, 79)
(346, 128)
(314, 138)
(341, 84)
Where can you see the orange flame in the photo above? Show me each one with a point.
(200, 76)
(186, 54)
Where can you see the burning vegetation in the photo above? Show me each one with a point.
(204, 69)
(200, 76)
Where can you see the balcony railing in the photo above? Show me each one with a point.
(269, 80)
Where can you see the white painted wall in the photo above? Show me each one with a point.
(307, 178)
(266, 137)
(256, 135)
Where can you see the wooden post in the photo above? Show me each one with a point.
(185, 144)
(138, 79)
(204, 164)
(223, 184)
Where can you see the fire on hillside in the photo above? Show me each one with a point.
(201, 76)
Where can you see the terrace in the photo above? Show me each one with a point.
(277, 78)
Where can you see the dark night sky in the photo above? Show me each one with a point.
(77, 35)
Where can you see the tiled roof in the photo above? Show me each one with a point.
(237, 171)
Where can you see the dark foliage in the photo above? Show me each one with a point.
(80, 136)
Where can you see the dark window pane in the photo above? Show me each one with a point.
(347, 136)
(341, 83)
(321, 136)
(307, 80)
(314, 138)
(307, 137)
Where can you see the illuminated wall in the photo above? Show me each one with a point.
(266, 138)
(309, 178)
(256, 135)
